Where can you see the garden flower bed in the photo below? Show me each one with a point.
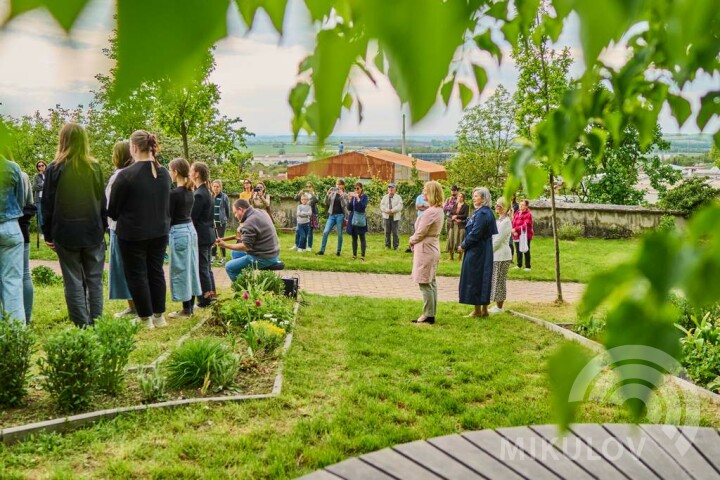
(232, 351)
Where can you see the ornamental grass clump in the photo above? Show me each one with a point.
(16, 348)
(71, 367)
(257, 281)
(117, 341)
(206, 363)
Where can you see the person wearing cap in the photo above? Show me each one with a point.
(391, 207)
(449, 209)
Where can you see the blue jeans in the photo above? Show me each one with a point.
(28, 289)
(242, 260)
(82, 270)
(11, 270)
(302, 236)
(184, 261)
(334, 221)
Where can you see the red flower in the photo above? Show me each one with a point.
(246, 296)
(258, 303)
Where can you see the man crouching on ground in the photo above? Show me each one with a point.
(258, 245)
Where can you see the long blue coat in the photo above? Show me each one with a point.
(477, 266)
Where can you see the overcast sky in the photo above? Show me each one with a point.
(41, 67)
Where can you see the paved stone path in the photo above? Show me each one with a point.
(380, 285)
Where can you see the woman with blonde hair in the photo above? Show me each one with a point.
(117, 284)
(502, 256)
(425, 244)
(74, 207)
(139, 202)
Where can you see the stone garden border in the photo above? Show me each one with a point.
(598, 348)
(11, 435)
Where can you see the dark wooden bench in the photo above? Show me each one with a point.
(538, 452)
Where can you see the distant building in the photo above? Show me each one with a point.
(380, 164)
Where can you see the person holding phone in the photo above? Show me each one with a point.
(336, 202)
(260, 199)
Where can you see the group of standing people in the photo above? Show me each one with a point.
(482, 242)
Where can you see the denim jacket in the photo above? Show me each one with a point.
(12, 193)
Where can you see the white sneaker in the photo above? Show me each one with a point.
(127, 311)
(294, 247)
(146, 322)
(495, 309)
(159, 321)
(308, 249)
(527, 269)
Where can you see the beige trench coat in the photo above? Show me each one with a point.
(426, 249)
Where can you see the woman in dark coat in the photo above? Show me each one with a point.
(477, 266)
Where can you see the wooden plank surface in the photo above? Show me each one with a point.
(544, 452)
(436, 460)
(463, 451)
(588, 451)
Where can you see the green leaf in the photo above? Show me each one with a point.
(480, 78)
(334, 55)
(569, 367)
(159, 40)
(274, 8)
(710, 107)
(596, 140)
(305, 65)
(498, 10)
(632, 326)
(657, 261)
(601, 22)
(716, 139)
(520, 160)
(298, 95)
(379, 61)
(602, 285)
(485, 42)
(319, 9)
(563, 7)
(680, 108)
(573, 171)
(534, 181)
(446, 89)
(466, 94)
(348, 101)
(65, 11)
(552, 27)
(527, 11)
(511, 31)
(5, 139)
(422, 49)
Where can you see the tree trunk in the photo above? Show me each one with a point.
(184, 135)
(555, 240)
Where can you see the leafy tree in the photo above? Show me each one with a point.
(689, 196)
(484, 138)
(714, 155)
(542, 82)
(612, 180)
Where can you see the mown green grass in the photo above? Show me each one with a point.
(579, 260)
(359, 377)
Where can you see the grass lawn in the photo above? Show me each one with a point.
(579, 259)
(359, 377)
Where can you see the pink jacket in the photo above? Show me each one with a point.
(522, 220)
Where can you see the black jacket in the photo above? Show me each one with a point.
(202, 216)
(140, 202)
(73, 205)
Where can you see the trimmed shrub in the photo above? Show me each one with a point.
(667, 223)
(71, 368)
(570, 231)
(117, 341)
(205, 363)
(16, 348)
